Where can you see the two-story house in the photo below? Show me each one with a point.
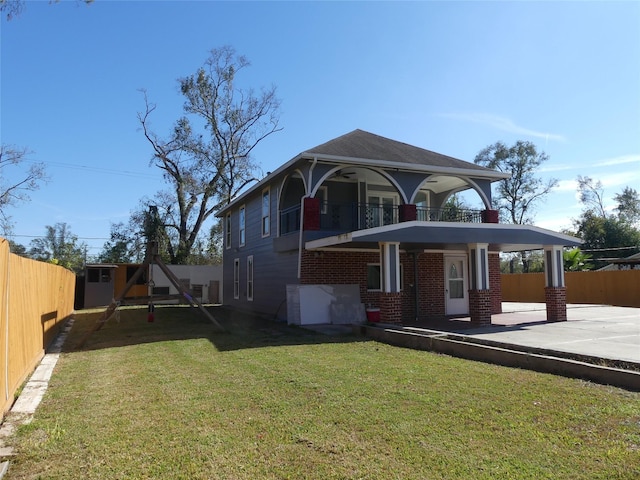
(370, 211)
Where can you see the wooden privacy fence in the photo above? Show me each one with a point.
(613, 287)
(35, 299)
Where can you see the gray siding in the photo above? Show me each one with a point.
(272, 271)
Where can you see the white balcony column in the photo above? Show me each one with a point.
(390, 267)
(479, 266)
(553, 266)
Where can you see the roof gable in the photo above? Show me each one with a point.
(359, 144)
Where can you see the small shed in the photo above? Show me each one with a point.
(104, 281)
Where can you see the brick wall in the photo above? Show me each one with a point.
(480, 307)
(556, 298)
(431, 286)
(340, 268)
(391, 307)
(495, 283)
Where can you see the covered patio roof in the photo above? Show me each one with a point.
(417, 235)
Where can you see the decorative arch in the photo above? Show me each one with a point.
(380, 172)
(468, 182)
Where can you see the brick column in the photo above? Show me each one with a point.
(556, 298)
(555, 291)
(480, 307)
(407, 212)
(495, 283)
(490, 216)
(391, 307)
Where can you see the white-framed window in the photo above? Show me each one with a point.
(266, 212)
(227, 230)
(250, 278)
(236, 278)
(322, 195)
(242, 223)
(374, 277)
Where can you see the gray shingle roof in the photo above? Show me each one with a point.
(365, 145)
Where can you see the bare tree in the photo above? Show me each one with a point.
(15, 188)
(207, 158)
(517, 195)
(13, 8)
(592, 195)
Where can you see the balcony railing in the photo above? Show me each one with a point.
(359, 216)
(448, 215)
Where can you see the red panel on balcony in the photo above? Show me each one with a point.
(311, 214)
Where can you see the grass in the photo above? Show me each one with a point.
(172, 399)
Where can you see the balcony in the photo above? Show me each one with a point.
(341, 218)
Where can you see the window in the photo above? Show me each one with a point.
(227, 230)
(266, 213)
(160, 291)
(242, 226)
(131, 271)
(374, 279)
(236, 278)
(250, 278)
(98, 275)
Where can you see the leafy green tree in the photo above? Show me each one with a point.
(606, 235)
(628, 206)
(206, 159)
(61, 247)
(517, 196)
(575, 260)
(120, 246)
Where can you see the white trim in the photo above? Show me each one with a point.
(408, 167)
(355, 235)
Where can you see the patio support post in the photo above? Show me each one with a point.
(479, 291)
(555, 291)
(390, 297)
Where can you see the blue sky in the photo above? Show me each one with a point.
(452, 77)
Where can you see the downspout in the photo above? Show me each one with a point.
(307, 195)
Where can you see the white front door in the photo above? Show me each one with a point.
(456, 285)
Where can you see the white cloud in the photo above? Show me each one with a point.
(633, 158)
(502, 123)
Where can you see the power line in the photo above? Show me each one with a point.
(109, 171)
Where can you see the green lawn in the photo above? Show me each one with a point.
(171, 399)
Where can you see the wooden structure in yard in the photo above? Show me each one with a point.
(152, 258)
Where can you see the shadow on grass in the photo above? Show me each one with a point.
(130, 326)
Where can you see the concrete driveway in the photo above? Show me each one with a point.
(593, 330)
